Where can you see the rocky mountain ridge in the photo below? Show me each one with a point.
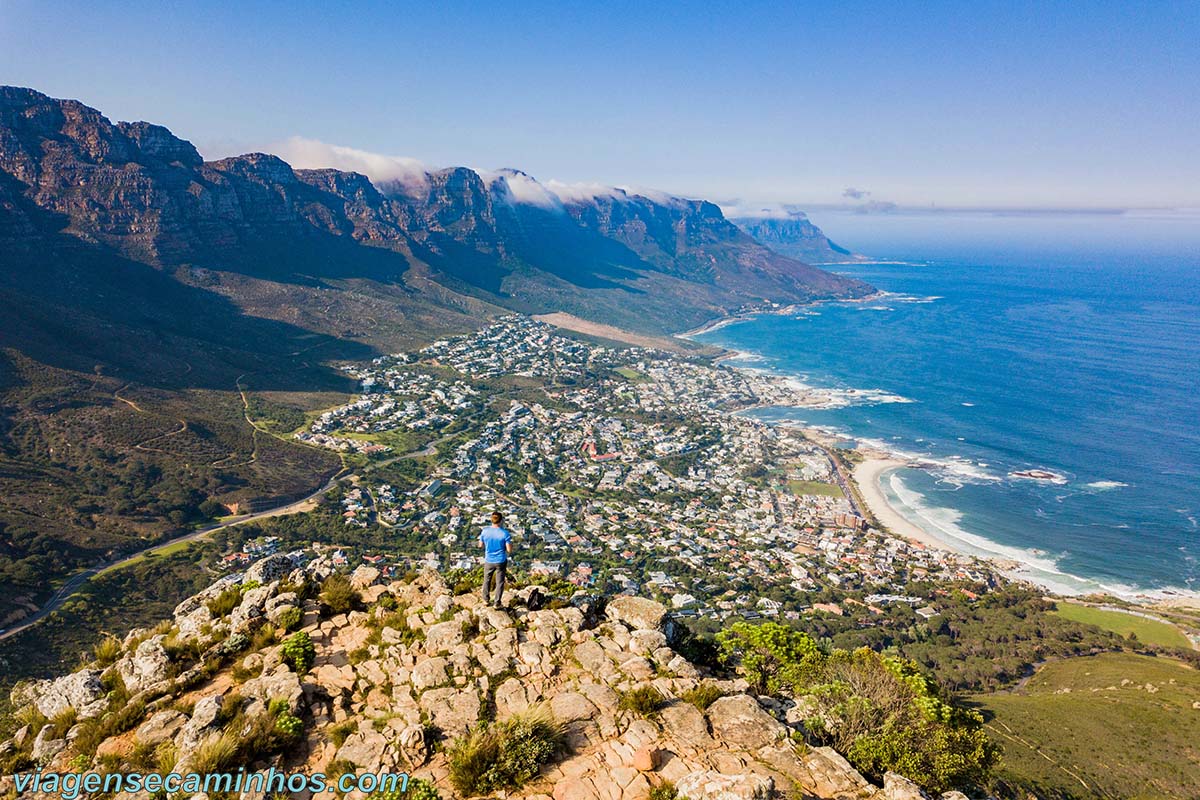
(793, 234)
(403, 679)
(142, 193)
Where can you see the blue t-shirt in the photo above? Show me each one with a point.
(494, 540)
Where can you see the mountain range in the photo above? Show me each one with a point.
(152, 299)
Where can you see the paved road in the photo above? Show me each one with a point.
(79, 579)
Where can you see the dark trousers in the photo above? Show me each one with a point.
(499, 572)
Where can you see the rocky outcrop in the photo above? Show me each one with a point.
(81, 691)
(380, 700)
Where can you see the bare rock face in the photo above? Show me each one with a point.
(710, 785)
(146, 666)
(45, 747)
(739, 720)
(161, 727)
(898, 787)
(636, 613)
(364, 749)
(364, 576)
(272, 568)
(80, 690)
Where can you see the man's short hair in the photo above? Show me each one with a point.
(497, 518)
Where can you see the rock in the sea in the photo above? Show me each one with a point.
(710, 785)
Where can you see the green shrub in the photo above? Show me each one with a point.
(288, 726)
(229, 599)
(644, 701)
(106, 651)
(772, 657)
(289, 619)
(664, 791)
(703, 695)
(417, 789)
(505, 755)
(299, 652)
(338, 595)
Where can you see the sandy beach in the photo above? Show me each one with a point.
(867, 476)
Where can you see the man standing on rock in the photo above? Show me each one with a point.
(497, 546)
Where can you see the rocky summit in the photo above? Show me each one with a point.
(257, 671)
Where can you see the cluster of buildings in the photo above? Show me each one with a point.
(628, 470)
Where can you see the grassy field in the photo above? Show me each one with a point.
(1147, 631)
(818, 488)
(1116, 725)
(632, 375)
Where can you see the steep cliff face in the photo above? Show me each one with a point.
(591, 698)
(796, 236)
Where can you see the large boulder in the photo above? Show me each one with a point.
(149, 664)
(364, 576)
(79, 690)
(279, 684)
(640, 614)
(710, 785)
(739, 720)
(272, 568)
(364, 749)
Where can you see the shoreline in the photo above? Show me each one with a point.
(716, 323)
(868, 477)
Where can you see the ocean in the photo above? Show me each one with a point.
(1069, 346)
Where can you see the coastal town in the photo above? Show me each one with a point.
(619, 468)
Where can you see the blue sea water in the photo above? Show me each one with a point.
(1020, 349)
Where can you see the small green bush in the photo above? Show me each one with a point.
(289, 619)
(226, 601)
(644, 701)
(703, 695)
(505, 755)
(338, 595)
(664, 791)
(299, 652)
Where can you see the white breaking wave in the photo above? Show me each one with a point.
(1103, 486)
(1035, 566)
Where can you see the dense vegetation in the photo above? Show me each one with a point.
(881, 712)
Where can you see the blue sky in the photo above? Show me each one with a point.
(958, 104)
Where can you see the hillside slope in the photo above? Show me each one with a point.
(592, 699)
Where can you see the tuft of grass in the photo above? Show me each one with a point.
(106, 651)
(505, 755)
(645, 701)
(338, 595)
(289, 619)
(229, 599)
(703, 695)
(338, 734)
(219, 755)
